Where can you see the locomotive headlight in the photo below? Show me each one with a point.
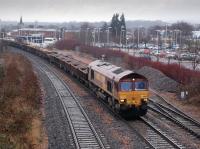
(122, 100)
(145, 99)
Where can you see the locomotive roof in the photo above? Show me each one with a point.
(109, 70)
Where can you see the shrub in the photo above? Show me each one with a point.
(66, 44)
(19, 101)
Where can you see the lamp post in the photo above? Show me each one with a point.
(176, 33)
(108, 33)
(166, 37)
(171, 38)
(94, 34)
(133, 37)
(120, 39)
(99, 31)
(86, 36)
(0, 28)
(126, 44)
(180, 39)
(138, 34)
(158, 45)
(157, 38)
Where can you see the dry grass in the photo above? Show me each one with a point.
(20, 116)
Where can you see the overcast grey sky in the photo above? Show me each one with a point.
(100, 10)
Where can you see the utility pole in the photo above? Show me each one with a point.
(157, 45)
(166, 37)
(133, 37)
(0, 28)
(108, 33)
(99, 31)
(157, 38)
(120, 39)
(94, 34)
(138, 31)
(86, 36)
(180, 39)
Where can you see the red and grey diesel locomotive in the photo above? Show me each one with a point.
(124, 90)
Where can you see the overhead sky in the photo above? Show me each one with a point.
(100, 10)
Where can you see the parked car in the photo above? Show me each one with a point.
(146, 56)
(198, 59)
(185, 56)
(171, 56)
(193, 56)
(159, 53)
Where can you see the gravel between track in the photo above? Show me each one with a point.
(56, 124)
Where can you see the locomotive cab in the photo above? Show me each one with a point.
(133, 93)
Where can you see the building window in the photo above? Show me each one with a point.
(109, 86)
(92, 74)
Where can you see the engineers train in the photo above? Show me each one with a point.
(123, 90)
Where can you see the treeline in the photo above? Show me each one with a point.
(116, 31)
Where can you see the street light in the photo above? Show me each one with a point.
(108, 34)
(99, 31)
(133, 36)
(138, 42)
(120, 40)
(166, 37)
(157, 38)
(0, 28)
(176, 31)
(0, 25)
(86, 36)
(180, 39)
(95, 36)
(158, 45)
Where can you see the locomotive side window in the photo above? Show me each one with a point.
(126, 86)
(109, 86)
(92, 74)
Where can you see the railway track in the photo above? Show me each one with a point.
(175, 115)
(154, 135)
(83, 131)
(163, 101)
(184, 122)
(156, 138)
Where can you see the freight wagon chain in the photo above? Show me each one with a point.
(84, 133)
(126, 91)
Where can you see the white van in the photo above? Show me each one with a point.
(49, 41)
